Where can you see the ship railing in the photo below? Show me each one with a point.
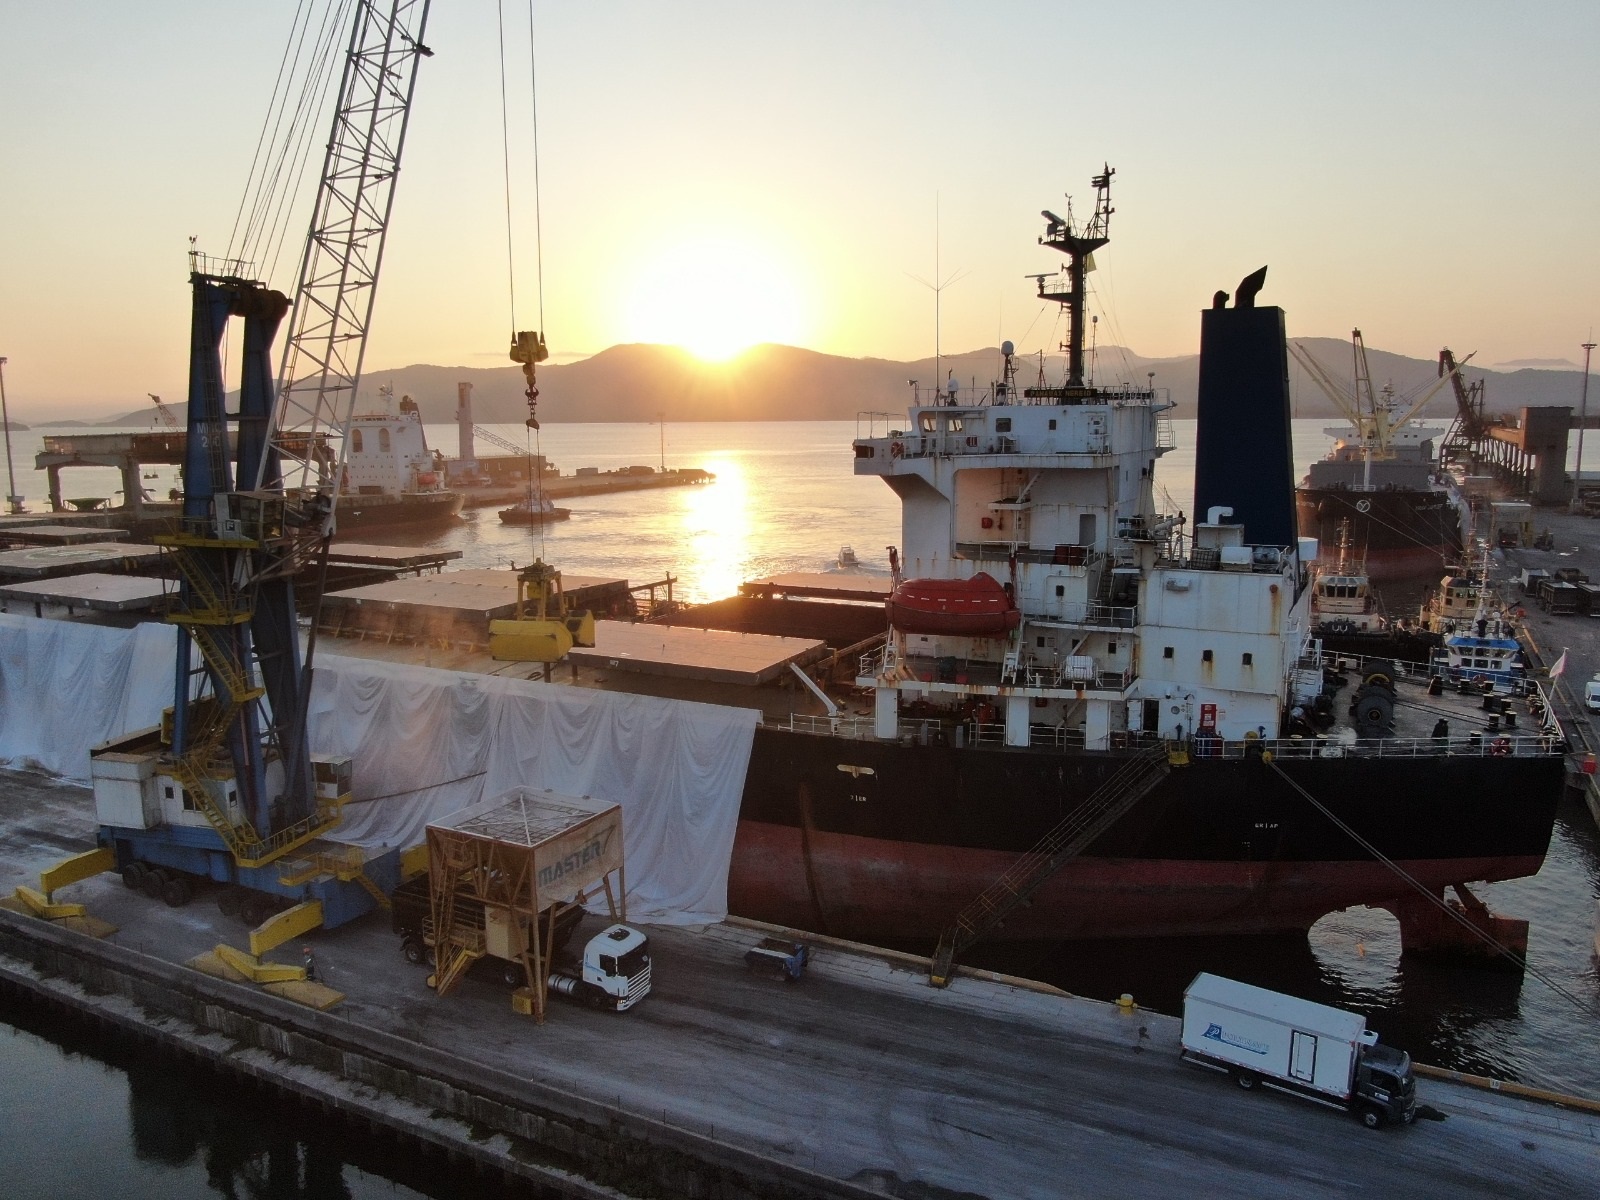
(1074, 560)
(1094, 615)
(1508, 745)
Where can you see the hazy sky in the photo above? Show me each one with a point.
(721, 173)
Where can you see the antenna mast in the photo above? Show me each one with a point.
(1079, 247)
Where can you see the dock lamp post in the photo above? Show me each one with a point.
(13, 501)
(1583, 418)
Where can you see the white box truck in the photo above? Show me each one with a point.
(1312, 1050)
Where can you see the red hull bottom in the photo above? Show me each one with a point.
(870, 889)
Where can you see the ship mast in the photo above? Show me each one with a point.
(1078, 246)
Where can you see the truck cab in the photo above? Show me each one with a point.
(1591, 694)
(616, 964)
(1385, 1083)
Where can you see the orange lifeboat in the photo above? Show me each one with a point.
(976, 607)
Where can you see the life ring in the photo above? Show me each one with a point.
(1500, 747)
(896, 449)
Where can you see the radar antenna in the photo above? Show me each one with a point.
(1066, 287)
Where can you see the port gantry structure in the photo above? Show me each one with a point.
(259, 499)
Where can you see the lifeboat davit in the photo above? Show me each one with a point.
(976, 607)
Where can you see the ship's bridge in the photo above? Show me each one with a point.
(997, 422)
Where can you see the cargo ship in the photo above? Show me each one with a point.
(391, 479)
(1405, 513)
(1049, 624)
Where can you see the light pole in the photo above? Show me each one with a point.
(1583, 417)
(13, 501)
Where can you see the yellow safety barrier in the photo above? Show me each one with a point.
(76, 869)
(287, 925)
(257, 971)
(40, 905)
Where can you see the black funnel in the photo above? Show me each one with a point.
(1244, 454)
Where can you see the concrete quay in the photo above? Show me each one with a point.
(858, 1081)
(1577, 544)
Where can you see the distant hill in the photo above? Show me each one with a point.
(785, 383)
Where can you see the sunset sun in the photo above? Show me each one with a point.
(714, 296)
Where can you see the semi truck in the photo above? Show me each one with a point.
(1315, 1051)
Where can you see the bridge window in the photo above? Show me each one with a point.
(1002, 425)
(355, 441)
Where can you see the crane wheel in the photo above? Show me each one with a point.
(255, 909)
(133, 876)
(176, 892)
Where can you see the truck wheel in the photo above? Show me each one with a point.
(1371, 1118)
(176, 892)
(229, 901)
(1245, 1079)
(514, 975)
(154, 882)
(1408, 1116)
(133, 876)
(414, 951)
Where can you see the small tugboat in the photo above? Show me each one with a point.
(1341, 593)
(533, 510)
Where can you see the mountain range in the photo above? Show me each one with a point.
(786, 383)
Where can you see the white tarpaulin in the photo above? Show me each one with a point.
(427, 742)
(65, 687)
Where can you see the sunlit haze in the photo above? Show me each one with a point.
(716, 175)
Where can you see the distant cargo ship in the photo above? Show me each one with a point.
(1406, 516)
(391, 478)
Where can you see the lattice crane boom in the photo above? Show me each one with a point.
(322, 358)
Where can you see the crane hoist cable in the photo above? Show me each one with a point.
(527, 347)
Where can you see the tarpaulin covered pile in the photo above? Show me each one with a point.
(425, 743)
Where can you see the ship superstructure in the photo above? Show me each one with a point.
(1125, 622)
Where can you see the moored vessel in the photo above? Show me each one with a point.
(1382, 478)
(391, 478)
(1134, 634)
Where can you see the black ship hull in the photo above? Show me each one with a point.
(1403, 533)
(887, 841)
(409, 510)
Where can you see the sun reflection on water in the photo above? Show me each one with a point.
(716, 530)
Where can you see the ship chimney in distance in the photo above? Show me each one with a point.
(464, 449)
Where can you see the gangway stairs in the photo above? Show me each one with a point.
(1115, 798)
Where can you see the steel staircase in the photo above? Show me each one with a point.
(1131, 782)
(211, 609)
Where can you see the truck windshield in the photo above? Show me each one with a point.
(634, 961)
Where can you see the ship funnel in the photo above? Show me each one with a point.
(1244, 456)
